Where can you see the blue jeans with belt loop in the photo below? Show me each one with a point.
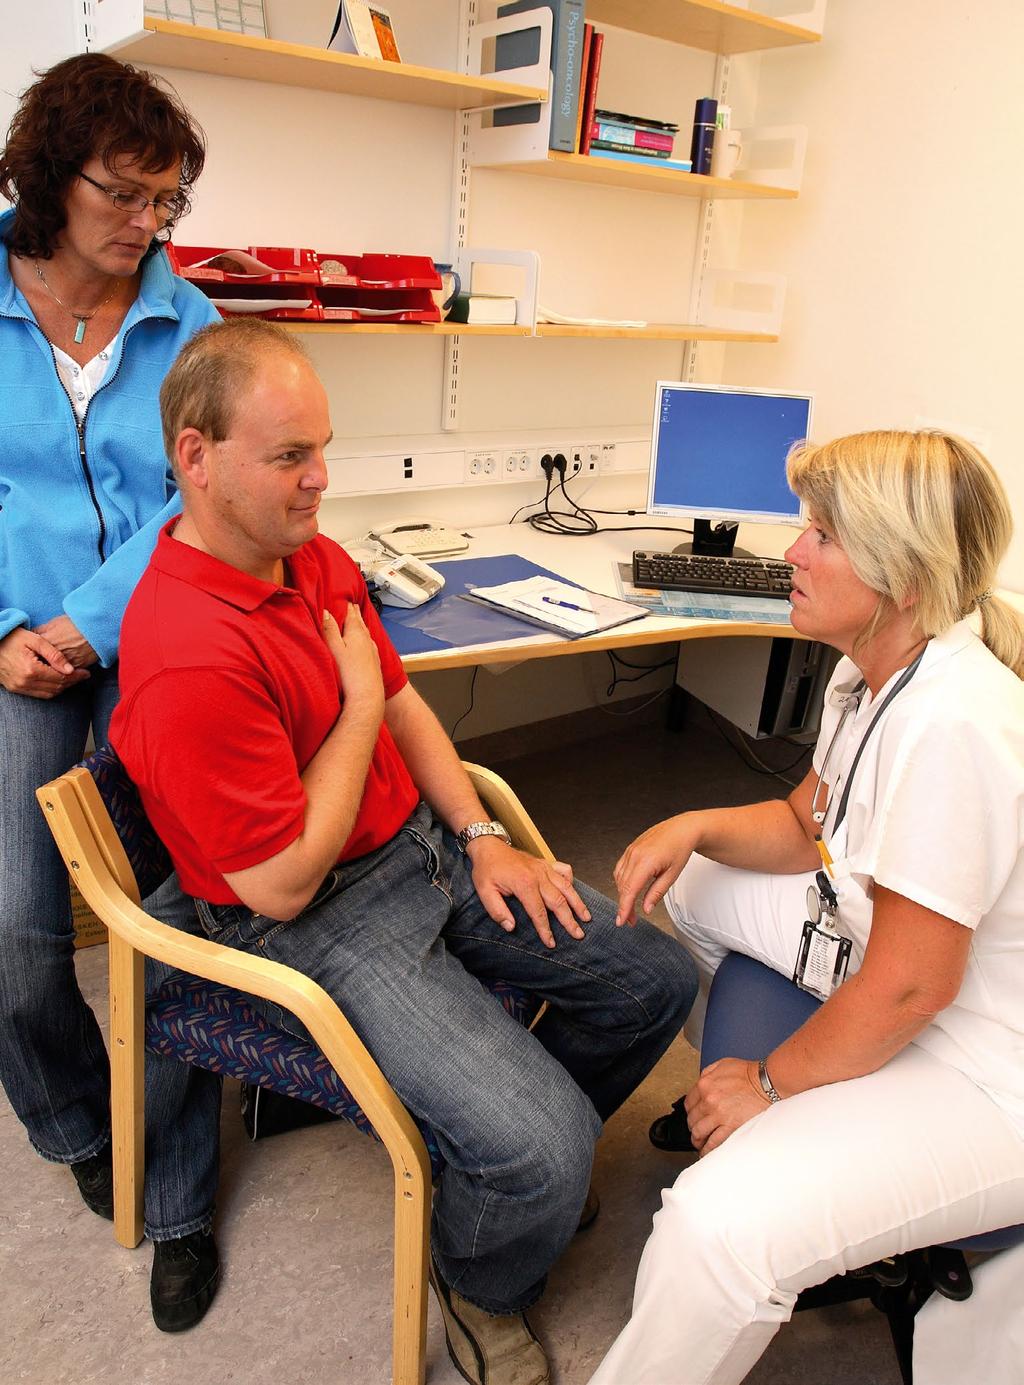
(53, 1064)
(399, 939)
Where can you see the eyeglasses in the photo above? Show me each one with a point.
(166, 209)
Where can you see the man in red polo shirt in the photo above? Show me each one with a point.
(318, 813)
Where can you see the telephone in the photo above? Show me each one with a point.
(421, 537)
(404, 580)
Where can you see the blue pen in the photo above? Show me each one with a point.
(552, 601)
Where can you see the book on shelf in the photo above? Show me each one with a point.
(521, 48)
(636, 136)
(603, 144)
(554, 605)
(588, 34)
(483, 309)
(676, 165)
(588, 96)
(365, 29)
(639, 122)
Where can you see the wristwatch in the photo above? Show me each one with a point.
(766, 1082)
(481, 829)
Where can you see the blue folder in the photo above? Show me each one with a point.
(448, 622)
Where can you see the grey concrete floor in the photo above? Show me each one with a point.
(304, 1219)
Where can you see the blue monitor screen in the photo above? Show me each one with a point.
(722, 452)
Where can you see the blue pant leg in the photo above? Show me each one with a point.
(53, 1064)
(618, 997)
(182, 1109)
(516, 1132)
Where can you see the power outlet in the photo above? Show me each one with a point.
(520, 464)
(483, 466)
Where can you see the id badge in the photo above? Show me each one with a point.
(823, 959)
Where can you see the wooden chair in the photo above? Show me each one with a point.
(99, 863)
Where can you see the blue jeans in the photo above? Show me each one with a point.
(53, 1064)
(399, 939)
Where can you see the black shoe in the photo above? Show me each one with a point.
(95, 1179)
(186, 1273)
(672, 1132)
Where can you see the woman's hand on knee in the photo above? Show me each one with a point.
(32, 667)
(651, 864)
(725, 1096)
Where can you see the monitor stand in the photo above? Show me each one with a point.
(714, 540)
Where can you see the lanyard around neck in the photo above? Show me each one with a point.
(905, 678)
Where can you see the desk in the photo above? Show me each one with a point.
(590, 562)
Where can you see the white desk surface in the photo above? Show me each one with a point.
(589, 561)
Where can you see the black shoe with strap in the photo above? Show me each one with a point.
(672, 1132)
(95, 1179)
(186, 1272)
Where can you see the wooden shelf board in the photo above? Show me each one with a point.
(167, 44)
(654, 331)
(588, 168)
(710, 25)
(405, 329)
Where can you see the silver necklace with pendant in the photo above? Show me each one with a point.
(82, 320)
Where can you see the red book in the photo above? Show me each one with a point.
(624, 134)
(590, 96)
(588, 34)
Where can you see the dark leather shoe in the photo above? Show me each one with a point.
(186, 1272)
(95, 1179)
(672, 1132)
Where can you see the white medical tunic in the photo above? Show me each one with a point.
(936, 814)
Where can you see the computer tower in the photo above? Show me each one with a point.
(766, 687)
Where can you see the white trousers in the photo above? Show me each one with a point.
(819, 1184)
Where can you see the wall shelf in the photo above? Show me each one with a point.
(587, 168)
(405, 329)
(654, 331)
(709, 25)
(166, 44)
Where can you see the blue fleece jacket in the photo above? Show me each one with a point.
(78, 523)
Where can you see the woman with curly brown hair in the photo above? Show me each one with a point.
(99, 163)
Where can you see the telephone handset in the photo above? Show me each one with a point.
(421, 537)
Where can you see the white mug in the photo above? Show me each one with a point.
(726, 153)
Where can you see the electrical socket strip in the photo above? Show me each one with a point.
(504, 464)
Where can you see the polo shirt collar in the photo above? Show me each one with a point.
(212, 575)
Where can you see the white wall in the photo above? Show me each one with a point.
(903, 253)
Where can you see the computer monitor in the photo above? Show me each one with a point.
(718, 454)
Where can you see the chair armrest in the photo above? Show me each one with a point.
(505, 807)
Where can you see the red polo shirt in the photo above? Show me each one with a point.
(228, 690)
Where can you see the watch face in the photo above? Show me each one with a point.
(813, 904)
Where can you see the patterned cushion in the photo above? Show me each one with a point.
(214, 1027)
(146, 853)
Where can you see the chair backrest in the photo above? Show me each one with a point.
(146, 854)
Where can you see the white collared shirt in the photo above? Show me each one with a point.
(82, 381)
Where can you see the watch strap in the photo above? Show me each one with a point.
(480, 829)
(766, 1082)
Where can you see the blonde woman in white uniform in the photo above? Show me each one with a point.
(894, 1117)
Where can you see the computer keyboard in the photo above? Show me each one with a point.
(698, 572)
